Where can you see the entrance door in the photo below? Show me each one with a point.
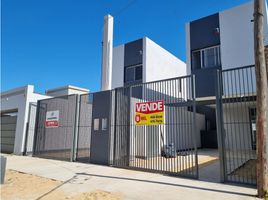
(100, 138)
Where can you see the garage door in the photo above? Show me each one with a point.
(8, 129)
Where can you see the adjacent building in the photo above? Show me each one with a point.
(223, 40)
(220, 53)
(18, 111)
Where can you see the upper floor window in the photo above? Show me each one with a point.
(205, 58)
(133, 73)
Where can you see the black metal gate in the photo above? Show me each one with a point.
(169, 147)
(69, 138)
(238, 119)
(56, 141)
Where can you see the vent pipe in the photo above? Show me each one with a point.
(107, 53)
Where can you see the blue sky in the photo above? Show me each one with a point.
(51, 43)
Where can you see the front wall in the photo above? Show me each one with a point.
(205, 80)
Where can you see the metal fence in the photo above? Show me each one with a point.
(239, 124)
(166, 148)
(56, 142)
(169, 147)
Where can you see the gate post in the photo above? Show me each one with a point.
(194, 123)
(75, 132)
(220, 127)
(36, 128)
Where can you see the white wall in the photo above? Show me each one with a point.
(159, 64)
(236, 35)
(118, 67)
(237, 125)
(57, 93)
(20, 99)
(237, 133)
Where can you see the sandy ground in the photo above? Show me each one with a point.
(20, 186)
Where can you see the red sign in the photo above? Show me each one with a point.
(52, 119)
(149, 113)
(52, 124)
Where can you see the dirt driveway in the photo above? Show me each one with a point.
(25, 186)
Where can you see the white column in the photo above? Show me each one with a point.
(107, 53)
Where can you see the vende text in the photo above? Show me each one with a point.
(150, 107)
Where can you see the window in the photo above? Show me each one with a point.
(96, 124)
(205, 58)
(196, 60)
(104, 124)
(133, 73)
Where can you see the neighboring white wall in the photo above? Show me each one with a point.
(19, 99)
(236, 35)
(188, 49)
(66, 90)
(118, 67)
(57, 93)
(159, 64)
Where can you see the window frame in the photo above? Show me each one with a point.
(203, 52)
(134, 74)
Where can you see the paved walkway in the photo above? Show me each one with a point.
(78, 177)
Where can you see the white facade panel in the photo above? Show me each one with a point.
(159, 64)
(118, 67)
(236, 36)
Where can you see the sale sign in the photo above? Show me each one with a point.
(52, 119)
(149, 113)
